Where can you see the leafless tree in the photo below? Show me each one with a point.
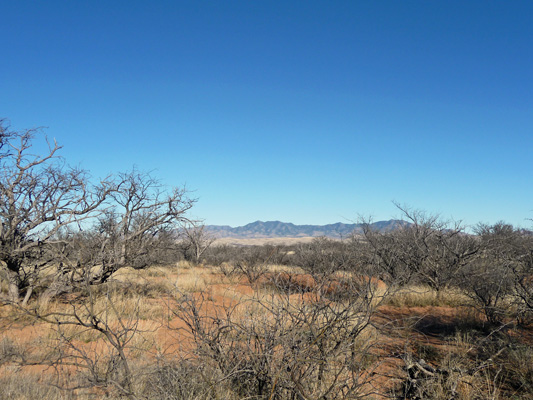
(285, 345)
(142, 211)
(90, 342)
(501, 272)
(254, 261)
(388, 254)
(424, 248)
(139, 220)
(39, 196)
(195, 241)
(5, 134)
(51, 215)
(323, 257)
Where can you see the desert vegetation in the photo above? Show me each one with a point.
(109, 290)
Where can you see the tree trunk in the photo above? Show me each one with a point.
(197, 254)
(27, 296)
(56, 288)
(14, 283)
(123, 253)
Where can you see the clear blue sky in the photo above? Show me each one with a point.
(301, 111)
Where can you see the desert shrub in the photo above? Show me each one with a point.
(227, 257)
(9, 350)
(227, 269)
(91, 338)
(423, 249)
(523, 279)
(323, 257)
(477, 366)
(519, 369)
(253, 261)
(289, 283)
(219, 254)
(524, 298)
(489, 285)
(494, 279)
(33, 386)
(182, 380)
(283, 347)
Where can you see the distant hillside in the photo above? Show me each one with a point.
(277, 229)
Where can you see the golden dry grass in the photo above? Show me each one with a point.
(423, 296)
(276, 268)
(183, 276)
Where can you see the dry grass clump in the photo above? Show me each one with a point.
(158, 271)
(10, 349)
(130, 300)
(290, 269)
(184, 264)
(191, 283)
(196, 278)
(519, 369)
(148, 276)
(162, 280)
(182, 379)
(423, 296)
(27, 386)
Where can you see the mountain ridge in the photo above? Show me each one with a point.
(278, 229)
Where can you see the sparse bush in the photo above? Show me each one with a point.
(253, 262)
(279, 346)
(195, 241)
(493, 279)
(518, 372)
(322, 257)
(9, 351)
(483, 367)
(89, 341)
(183, 380)
(227, 269)
(219, 254)
(490, 287)
(423, 249)
(524, 298)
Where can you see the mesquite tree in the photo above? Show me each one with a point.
(423, 247)
(196, 239)
(39, 196)
(142, 214)
(53, 215)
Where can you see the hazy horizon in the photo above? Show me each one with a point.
(283, 222)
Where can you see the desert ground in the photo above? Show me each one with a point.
(201, 331)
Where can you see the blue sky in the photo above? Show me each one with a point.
(309, 112)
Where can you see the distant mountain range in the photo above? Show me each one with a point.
(277, 229)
